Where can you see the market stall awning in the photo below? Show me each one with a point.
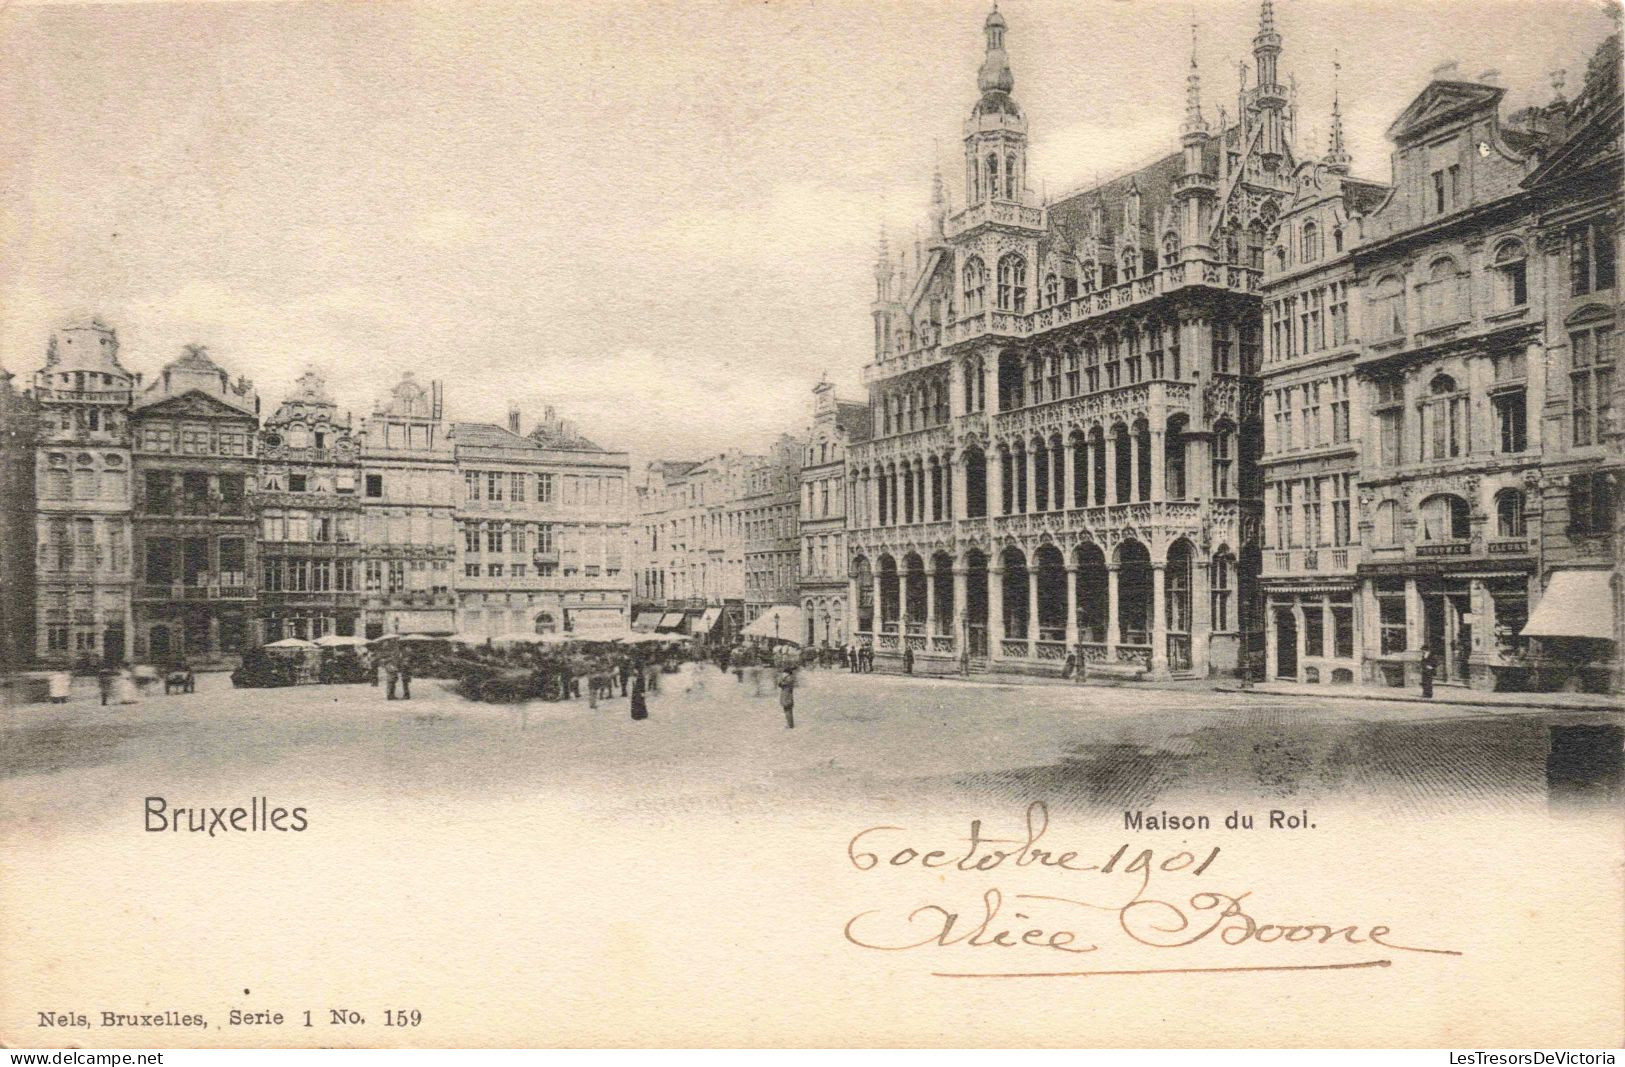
(782, 622)
(646, 622)
(708, 620)
(584, 621)
(671, 620)
(1577, 603)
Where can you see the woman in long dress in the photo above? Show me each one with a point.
(640, 705)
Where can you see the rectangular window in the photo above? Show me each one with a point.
(1591, 258)
(1591, 383)
(1339, 389)
(1591, 503)
(1390, 414)
(516, 487)
(1283, 515)
(374, 576)
(493, 537)
(471, 485)
(397, 576)
(544, 489)
(1391, 615)
(544, 537)
(1340, 509)
(321, 576)
(1343, 631)
(1510, 420)
(493, 570)
(471, 570)
(471, 537)
(296, 483)
(375, 486)
(1314, 630)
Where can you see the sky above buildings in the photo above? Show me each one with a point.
(659, 218)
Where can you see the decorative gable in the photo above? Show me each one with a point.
(1441, 104)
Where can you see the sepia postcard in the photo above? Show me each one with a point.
(1045, 523)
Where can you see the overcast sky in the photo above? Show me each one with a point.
(660, 218)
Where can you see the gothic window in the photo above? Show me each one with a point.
(1052, 290)
(1130, 266)
(1509, 520)
(1072, 379)
(1337, 239)
(1511, 278)
(1087, 277)
(975, 285)
(1010, 177)
(1224, 452)
(1255, 245)
(1170, 249)
(1091, 364)
(1012, 283)
(993, 176)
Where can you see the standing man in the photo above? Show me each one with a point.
(787, 697)
(908, 659)
(406, 677)
(1429, 665)
(389, 676)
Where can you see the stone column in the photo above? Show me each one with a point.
(1112, 496)
(1088, 480)
(878, 622)
(1112, 633)
(1201, 617)
(1159, 458)
(1272, 639)
(1032, 611)
(995, 482)
(1066, 483)
(1071, 606)
(960, 609)
(995, 611)
(957, 503)
(1133, 466)
(851, 603)
(951, 504)
(930, 602)
(958, 403)
(1029, 464)
(1159, 619)
(1297, 612)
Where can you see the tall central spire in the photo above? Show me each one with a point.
(1194, 123)
(995, 75)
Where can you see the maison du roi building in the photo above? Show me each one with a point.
(1066, 404)
(163, 519)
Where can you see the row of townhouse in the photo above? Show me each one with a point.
(169, 521)
(1442, 439)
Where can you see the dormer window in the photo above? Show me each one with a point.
(1052, 290)
(1310, 242)
(1446, 189)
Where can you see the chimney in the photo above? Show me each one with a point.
(513, 418)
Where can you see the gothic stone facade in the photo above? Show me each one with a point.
(1066, 407)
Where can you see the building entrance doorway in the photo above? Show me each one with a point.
(1448, 631)
(1286, 644)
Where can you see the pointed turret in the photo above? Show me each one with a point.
(1337, 156)
(996, 132)
(1269, 97)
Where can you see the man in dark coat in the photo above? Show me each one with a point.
(640, 705)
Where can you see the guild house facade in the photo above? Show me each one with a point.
(194, 432)
(83, 500)
(821, 580)
(408, 479)
(1066, 405)
(542, 531)
(310, 518)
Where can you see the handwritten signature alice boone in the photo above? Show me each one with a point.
(1115, 898)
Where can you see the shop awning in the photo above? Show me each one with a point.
(708, 620)
(646, 622)
(1577, 603)
(596, 620)
(782, 622)
(672, 620)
